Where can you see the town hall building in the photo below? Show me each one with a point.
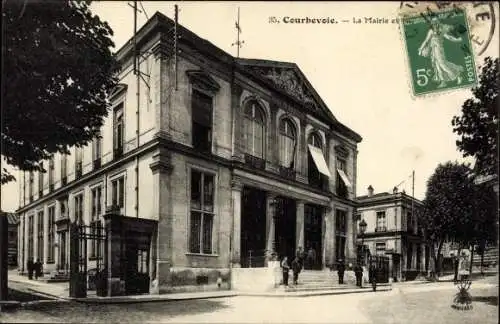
(206, 165)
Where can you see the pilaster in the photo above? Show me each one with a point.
(302, 151)
(329, 240)
(271, 226)
(237, 112)
(350, 253)
(162, 78)
(300, 224)
(236, 189)
(161, 168)
(45, 236)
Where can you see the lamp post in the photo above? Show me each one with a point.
(362, 229)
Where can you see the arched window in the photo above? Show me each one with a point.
(255, 130)
(313, 173)
(315, 140)
(287, 143)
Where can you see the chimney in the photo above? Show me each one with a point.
(370, 191)
(395, 190)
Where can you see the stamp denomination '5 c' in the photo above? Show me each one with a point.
(439, 51)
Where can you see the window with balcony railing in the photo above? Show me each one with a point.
(255, 162)
(254, 130)
(315, 178)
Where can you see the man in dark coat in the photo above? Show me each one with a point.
(372, 275)
(340, 271)
(358, 271)
(38, 269)
(285, 267)
(296, 267)
(30, 267)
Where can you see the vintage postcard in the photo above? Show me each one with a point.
(249, 162)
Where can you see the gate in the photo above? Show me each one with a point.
(382, 265)
(81, 279)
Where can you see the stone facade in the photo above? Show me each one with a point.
(161, 156)
(392, 231)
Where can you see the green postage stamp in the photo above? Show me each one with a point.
(439, 51)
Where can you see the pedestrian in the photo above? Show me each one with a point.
(300, 256)
(296, 267)
(311, 258)
(340, 271)
(358, 271)
(285, 267)
(372, 275)
(30, 267)
(38, 268)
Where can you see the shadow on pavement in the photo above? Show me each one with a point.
(130, 312)
(490, 300)
(22, 296)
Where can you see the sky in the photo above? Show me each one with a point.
(359, 70)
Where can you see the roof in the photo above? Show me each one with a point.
(285, 77)
(385, 197)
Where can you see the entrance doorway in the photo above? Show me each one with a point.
(313, 221)
(285, 227)
(253, 228)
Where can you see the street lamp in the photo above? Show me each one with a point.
(362, 229)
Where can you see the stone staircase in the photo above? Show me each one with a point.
(315, 280)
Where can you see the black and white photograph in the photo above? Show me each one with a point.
(249, 162)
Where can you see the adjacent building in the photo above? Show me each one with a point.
(209, 162)
(12, 238)
(393, 231)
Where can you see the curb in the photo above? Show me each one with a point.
(313, 294)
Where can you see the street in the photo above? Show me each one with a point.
(418, 303)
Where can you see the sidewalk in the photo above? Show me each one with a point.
(60, 291)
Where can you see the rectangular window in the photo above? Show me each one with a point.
(52, 217)
(40, 181)
(51, 174)
(31, 184)
(79, 209)
(202, 212)
(31, 249)
(118, 131)
(95, 220)
(118, 192)
(40, 236)
(341, 221)
(96, 151)
(201, 121)
(78, 162)
(341, 185)
(409, 219)
(64, 170)
(381, 225)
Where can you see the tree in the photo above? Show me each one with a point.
(58, 70)
(477, 127)
(448, 207)
(485, 220)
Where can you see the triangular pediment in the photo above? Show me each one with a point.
(203, 80)
(288, 78)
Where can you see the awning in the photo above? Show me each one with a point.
(344, 178)
(319, 160)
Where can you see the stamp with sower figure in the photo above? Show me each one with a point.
(439, 51)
